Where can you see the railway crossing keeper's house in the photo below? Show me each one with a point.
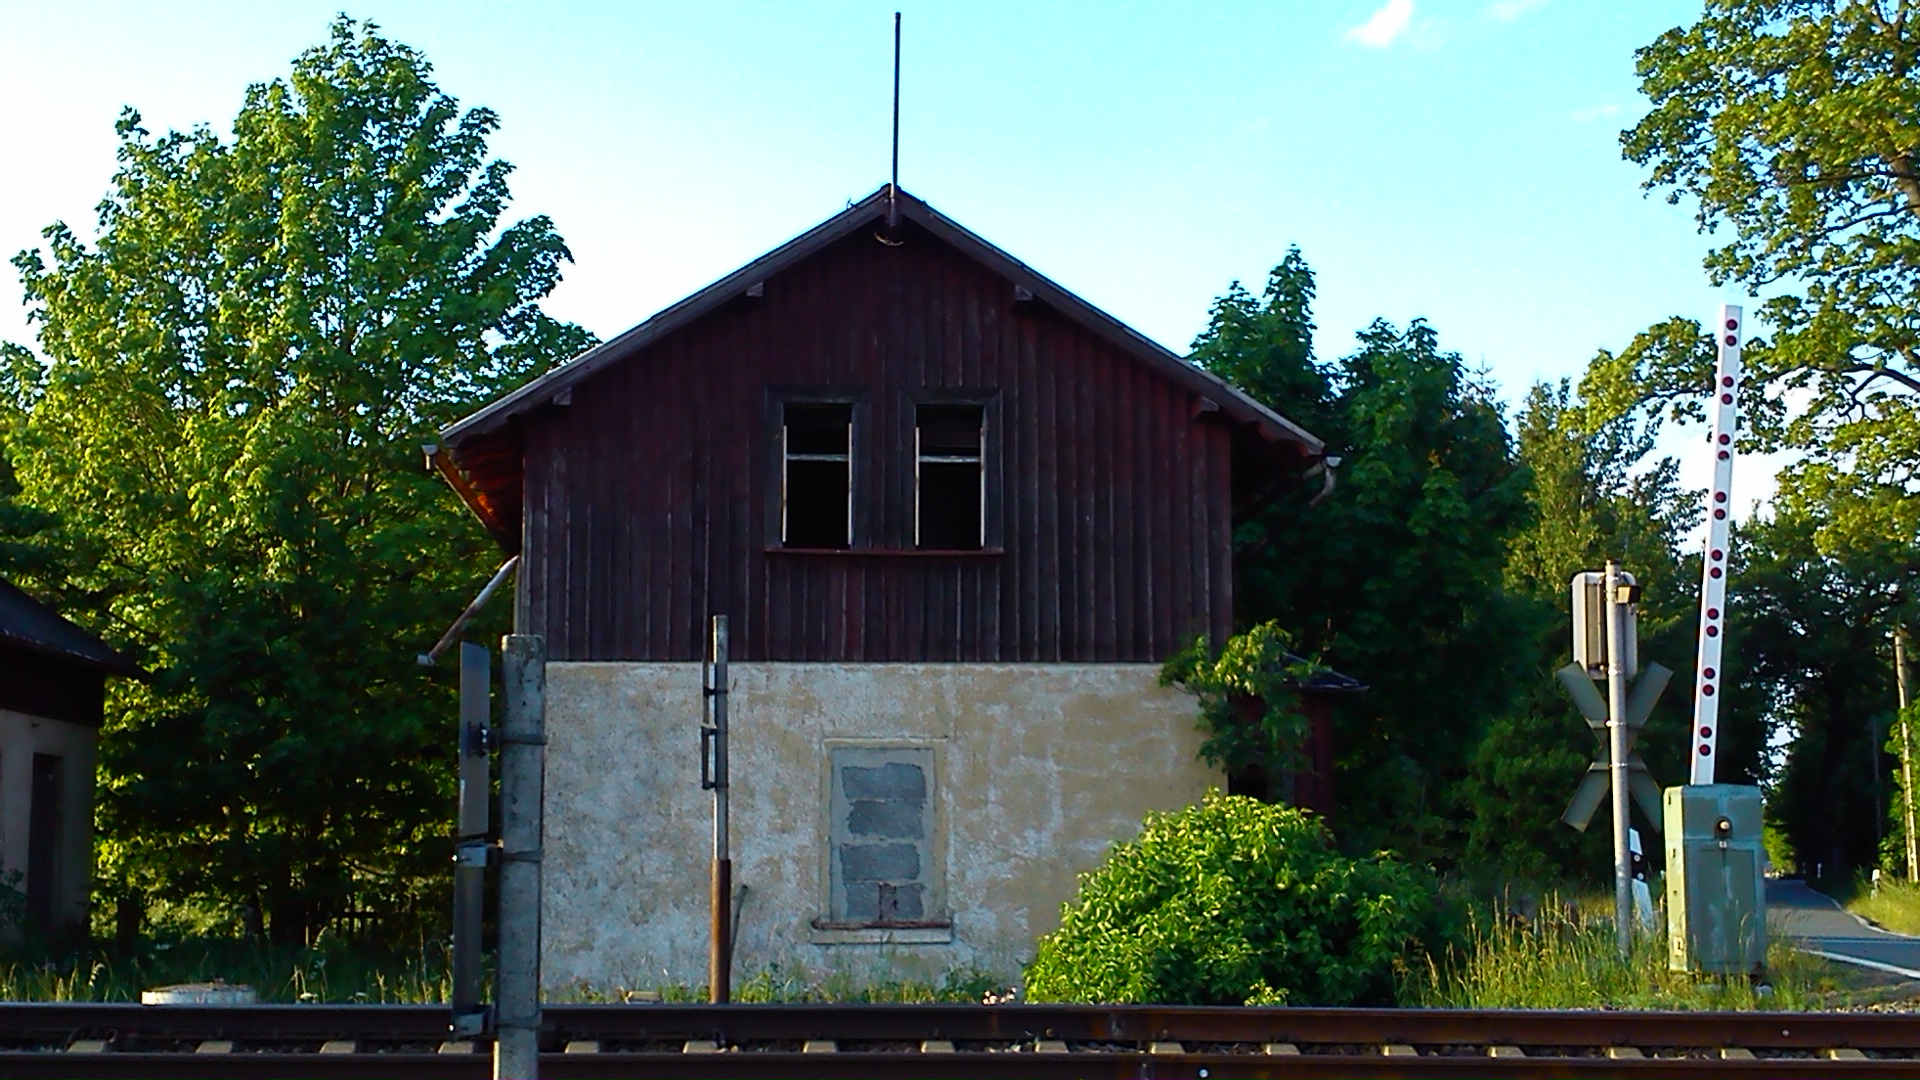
(956, 516)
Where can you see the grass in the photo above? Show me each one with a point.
(1564, 960)
(777, 985)
(342, 971)
(1570, 962)
(1895, 905)
(330, 971)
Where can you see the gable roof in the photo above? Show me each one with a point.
(862, 215)
(482, 453)
(32, 625)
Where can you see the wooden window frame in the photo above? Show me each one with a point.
(779, 398)
(992, 514)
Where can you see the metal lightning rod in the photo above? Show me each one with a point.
(1713, 580)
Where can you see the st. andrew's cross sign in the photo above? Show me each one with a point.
(1593, 786)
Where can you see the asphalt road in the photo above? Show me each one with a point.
(1822, 927)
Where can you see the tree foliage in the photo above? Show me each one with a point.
(1598, 493)
(1237, 902)
(1797, 124)
(220, 437)
(1394, 577)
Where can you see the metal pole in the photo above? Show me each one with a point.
(516, 1050)
(1617, 759)
(893, 185)
(720, 942)
(432, 656)
(1906, 751)
(471, 847)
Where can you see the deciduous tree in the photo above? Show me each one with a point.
(1394, 577)
(224, 419)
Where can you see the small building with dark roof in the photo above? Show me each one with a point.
(52, 692)
(957, 518)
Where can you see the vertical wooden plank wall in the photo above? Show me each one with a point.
(647, 502)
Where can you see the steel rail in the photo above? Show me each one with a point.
(73, 1040)
(1087, 1023)
(886, 1066)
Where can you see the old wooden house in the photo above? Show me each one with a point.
(956, 516)
(52, 690)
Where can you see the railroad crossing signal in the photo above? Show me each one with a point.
(1593, 787)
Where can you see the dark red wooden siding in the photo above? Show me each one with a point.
(651, 499)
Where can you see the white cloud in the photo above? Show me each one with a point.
(1509, 10)
(1594, 112)
(1386, 24)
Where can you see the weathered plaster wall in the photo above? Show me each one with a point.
(21, 737)
(1039, 768)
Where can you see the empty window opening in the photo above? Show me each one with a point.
(816, 481)
(950, 478)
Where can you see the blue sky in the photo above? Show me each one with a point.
(1456, 160)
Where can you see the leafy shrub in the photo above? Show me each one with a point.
(1236, 901)
(1255, 666)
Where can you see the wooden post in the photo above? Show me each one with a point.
(516, 1050)
(1906, 751)
(720, 937)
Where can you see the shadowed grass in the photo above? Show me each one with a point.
(330, 971)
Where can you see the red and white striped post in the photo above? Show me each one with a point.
(1713, 581)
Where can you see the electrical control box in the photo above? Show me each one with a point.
(1716, 896)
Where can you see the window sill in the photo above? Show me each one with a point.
(891, 553)
(931, 933)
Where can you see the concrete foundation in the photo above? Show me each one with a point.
(1036, 770)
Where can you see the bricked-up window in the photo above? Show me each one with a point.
(884, 870)
(950, 494)
(816, 479)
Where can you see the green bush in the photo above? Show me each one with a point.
(1236, 901)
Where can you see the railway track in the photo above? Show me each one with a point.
(936, 1041)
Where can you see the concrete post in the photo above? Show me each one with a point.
(516, 1050)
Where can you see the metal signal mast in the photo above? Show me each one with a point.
(1713, 581)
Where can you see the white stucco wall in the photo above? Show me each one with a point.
(21, 737)
(1039, 768)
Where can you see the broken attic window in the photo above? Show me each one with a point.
(949, 478)
(816, 482)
